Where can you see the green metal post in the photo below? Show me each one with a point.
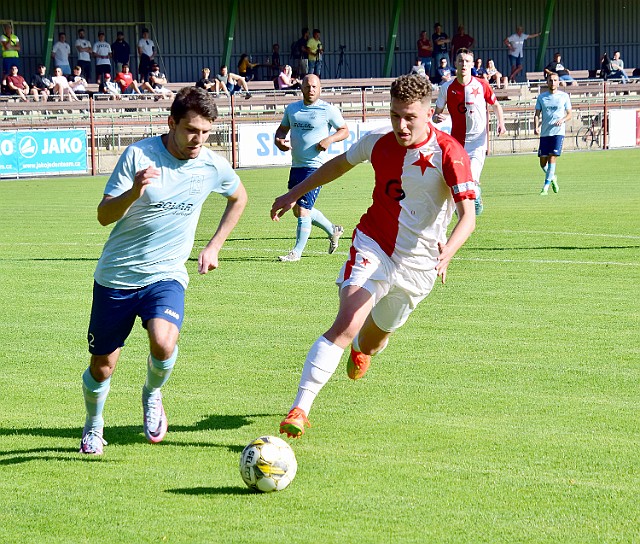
(231, 30)
(544, 35)
(47, 46)
(393, 34)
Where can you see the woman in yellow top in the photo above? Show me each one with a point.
(245, 67)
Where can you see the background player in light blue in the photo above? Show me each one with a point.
(554, 108)
(154, 196)
(310, 121)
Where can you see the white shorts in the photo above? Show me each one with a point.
(477, 154)
(396, 289)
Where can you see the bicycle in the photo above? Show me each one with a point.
(590, 134)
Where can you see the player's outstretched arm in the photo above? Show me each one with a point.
(329, 171)
(464, 227)
(112, 208)
(208, 258)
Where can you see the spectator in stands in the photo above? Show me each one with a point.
(478, 70)
(124, 78)
(102, 53)
(461, 40)
(515, 43)
(418, 68)
(15, 84)
(556, 67)
(146, 51)
(605, 66)
(84, 49)
(300, 54)
(617, 68)
(10, 49)
(41, 85)
(211, 85)
(232, 83)
(444, 71)
(246, 67)
(156, 81)
(60, 53)
(440, 42)
(286, 81)
(315, 48)
(61, 86)
(495, 77)
(78, 83)
(425, 51)
(107, 86)
(121, 51)
(275, 61)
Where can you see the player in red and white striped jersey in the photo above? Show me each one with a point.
(466, 97)
(400, 245)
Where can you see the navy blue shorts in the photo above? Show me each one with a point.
(114, 312)
(515, 61)
(550, 145)
(298, 175)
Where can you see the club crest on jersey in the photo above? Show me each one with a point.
(394, 190)
(195, 185)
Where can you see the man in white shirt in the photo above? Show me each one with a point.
(515, 43)
(84, 49)
(102, 53)
(60, 53)
(146, 50)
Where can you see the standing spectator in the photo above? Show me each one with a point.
(440, 42)
(556, 67)
(515, 43)
(466, 98)
(15, 84)
(77, 82)
(300, 54)
(494, 76)
(617, 68)
(124, 78)
(314, 45)
(156, 81)
(461, 40)
(147, 52)
(60, 53)
(286, 81)
(155, 205)
(417, 68)
(310, 121)
(478, 70)
(275, 60)
(425, 51)
(41, 85)
(400, 246)
(554, 108)
(61, 86)
(232, 83)
(102, 53)
(84, 49)
(121, 52)
(10, 49)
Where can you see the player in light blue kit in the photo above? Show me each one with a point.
(310, 121)
(154, 196)
(554, 107)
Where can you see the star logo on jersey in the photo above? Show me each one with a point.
(424, 162)
(365, 261)
(475, 91)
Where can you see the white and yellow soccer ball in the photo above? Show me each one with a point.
(268, 464)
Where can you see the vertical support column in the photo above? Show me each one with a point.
(393, 34)
(231, 30)
(544, 35)
(47, 46)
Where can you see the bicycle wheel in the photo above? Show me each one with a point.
(585, 138)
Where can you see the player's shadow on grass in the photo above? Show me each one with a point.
(226, 490)
(537, 248)
(122, 435)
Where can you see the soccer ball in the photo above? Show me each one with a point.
(268, 464)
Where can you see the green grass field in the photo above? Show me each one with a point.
(506, 410)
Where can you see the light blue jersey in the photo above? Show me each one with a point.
(310, 124)
(154, 239)
(553, 107)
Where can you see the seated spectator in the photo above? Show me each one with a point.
(617, 68)
(15, 84)
(444, 71)
(213, 86)
(495, 77)
(556, 67)
(78, 83)
(110, 87)
(61, 86)
(246, 67)
(478, 70)
(605, 66)
(128, 85)
(232, 83)
(418, 68)
(41, 85)
(156, 81)
(286, 80)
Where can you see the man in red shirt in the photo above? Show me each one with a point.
(425, 51)
(15, 84)
(128, 85)
(461, 40)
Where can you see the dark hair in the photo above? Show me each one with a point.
(125, 64)
(145, 30)
(316, 30)
(196, 100)
(411, 88)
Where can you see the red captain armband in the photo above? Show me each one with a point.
(463, 191)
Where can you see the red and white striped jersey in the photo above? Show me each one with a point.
(414, 193)
(467, 105)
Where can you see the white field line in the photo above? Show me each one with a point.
(554, 233)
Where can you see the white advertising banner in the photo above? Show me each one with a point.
(623, 128)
